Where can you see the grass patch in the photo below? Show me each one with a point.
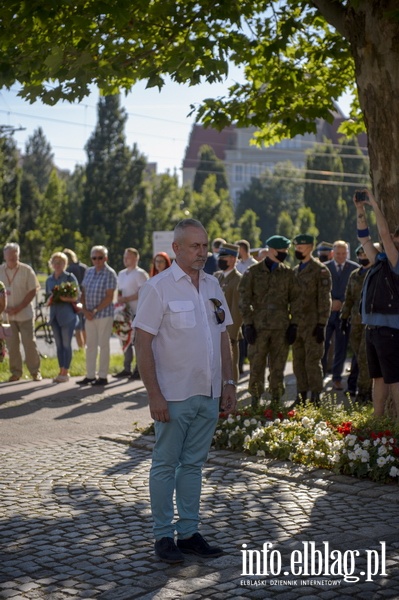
(49, 366)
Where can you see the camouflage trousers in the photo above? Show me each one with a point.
(357, 341)
(270, 349)
(307, 355)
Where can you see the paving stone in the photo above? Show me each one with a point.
(76, 522)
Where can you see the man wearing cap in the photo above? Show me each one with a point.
(308, 348)
(351, 314)
(270, 304)
(229, 279)
(324, 251)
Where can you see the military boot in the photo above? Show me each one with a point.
(300, 398)
(315, 398)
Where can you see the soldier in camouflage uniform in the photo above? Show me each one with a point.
(229, 278)
(351, 311)
(270, 304)
(308, 349)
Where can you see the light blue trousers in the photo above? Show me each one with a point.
(181, 448)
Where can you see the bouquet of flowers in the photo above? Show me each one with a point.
(122, 326)
(67, 289)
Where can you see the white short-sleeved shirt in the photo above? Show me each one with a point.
(129, 283)
(187, 342)
(19, 282)
(243, 265)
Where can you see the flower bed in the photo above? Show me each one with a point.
(349, 441)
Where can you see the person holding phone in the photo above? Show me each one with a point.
(380, 304)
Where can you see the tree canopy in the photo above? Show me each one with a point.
(298, 56)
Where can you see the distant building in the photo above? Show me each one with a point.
(244, 161)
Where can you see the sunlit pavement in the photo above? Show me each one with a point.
(76, 523)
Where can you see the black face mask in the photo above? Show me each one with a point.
(323, 257)
(299, 255)
(281, 256)
(223, 264)
(269, 262)
(364, 262)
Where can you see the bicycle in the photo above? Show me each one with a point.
(43, 330)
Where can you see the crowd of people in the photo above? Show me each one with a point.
(81, 301)
(313, 307)
(194, 321)
(323, 305)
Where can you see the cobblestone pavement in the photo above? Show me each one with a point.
(75, 523)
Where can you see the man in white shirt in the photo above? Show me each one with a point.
(183, 350)
(21, 288)
(130, 281)
(246, 260)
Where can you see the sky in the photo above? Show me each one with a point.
(157, 122)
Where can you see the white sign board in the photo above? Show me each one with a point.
(162, 242)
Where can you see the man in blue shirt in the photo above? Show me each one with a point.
(98, 287)
(380, 305)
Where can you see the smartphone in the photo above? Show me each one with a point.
(360, 196)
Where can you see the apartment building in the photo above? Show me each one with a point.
(243, 160)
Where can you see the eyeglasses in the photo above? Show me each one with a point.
(97, 258)
(219, 312)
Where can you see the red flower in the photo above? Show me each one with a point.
(345, 428)
(291, 414)
(268, 413)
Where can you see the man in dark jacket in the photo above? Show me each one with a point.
(340, 268)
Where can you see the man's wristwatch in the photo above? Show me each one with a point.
(94, 311)
(229, 382)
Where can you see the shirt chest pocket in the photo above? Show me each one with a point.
(182, 314)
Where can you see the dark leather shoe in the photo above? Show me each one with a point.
(85, 381)
(100, 381)
(166, 550)
(337, 386)
(123, 374)
(135, 375)
(197, 545)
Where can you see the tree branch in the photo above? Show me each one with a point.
(333, 12)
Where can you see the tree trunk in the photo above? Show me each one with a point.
(374, 38)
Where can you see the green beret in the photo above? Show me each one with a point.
(303, 238)
(228, 250)
(278, 242)
(359, 250)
